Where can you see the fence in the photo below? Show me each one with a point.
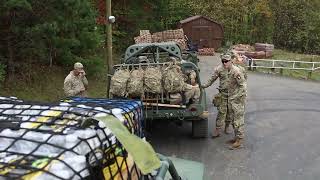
(274, 64)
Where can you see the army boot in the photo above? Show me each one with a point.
(237, 144)
(231, 141)
(227, 129)
(216, 133)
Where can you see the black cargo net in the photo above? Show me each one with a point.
(63, 141)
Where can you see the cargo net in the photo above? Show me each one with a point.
(63, 141)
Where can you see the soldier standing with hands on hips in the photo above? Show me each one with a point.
(76, 83)
(230, 100)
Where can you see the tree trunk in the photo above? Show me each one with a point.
(10, 61)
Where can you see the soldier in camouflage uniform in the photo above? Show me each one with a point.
(76, 83)
(232, 92)
(192, 90)
(240, 61)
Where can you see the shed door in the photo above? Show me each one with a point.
(201, 35)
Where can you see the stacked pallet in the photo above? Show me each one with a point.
(266, 48)
(145, 38)
(157, 37)
(180, 42)
(259, 51)
(143, 32)
(206, 52)
(163, 36)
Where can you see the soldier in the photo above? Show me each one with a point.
(76, 83)
(240, 61)
(192, 90)
(231, 103)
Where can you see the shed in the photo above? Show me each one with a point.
(203, 31)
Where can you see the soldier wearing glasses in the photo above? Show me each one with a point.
(230, 100)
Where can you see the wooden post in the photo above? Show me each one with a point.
(310, 72)
(108, 42)
(281, 71)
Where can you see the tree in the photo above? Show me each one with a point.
(49, 32)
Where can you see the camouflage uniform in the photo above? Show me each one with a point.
(74, 84)
(233, 91)
(192, 93)
(192, 90)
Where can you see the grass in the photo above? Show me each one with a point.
(46, 84)
(299, 74)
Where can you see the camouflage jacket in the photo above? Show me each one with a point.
(232, 82)
(74, 84)
(243, 70)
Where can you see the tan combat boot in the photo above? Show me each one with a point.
(231, 141)
(237, 144)
(216, 133)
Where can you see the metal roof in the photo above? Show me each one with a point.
(189, 19)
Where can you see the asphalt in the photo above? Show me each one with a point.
(282, 132)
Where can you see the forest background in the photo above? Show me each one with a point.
(40, 40)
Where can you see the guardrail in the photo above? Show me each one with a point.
(274, 64)
(283, 64)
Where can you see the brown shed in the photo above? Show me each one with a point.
(203, 31)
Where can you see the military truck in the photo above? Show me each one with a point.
(159, 106)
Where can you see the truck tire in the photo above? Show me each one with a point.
(200, 128)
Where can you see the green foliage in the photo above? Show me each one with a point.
(49, 32)
(297, 25)
(15, 4)
(2, 73)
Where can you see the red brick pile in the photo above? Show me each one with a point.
(206, 52)
(259, 51)
(164, 36)
(145, 37)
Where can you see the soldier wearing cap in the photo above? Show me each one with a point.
(76, 83)
(231, 99)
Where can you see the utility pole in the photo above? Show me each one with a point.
(109, 20)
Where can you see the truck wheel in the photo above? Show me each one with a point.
(200, 128)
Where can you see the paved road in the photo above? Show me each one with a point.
(282, 133)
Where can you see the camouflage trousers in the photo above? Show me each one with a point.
(192, 93)
(232, 112)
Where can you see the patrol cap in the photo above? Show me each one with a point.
(226, 57)
(78, 66)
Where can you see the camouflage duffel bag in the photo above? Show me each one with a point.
(119, 81)
(135, 82)
(153, 80)
(173, 80)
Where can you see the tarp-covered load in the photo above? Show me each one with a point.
(66, 141)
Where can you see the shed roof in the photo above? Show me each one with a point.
(194, 18)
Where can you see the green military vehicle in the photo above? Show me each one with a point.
(159, 106)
